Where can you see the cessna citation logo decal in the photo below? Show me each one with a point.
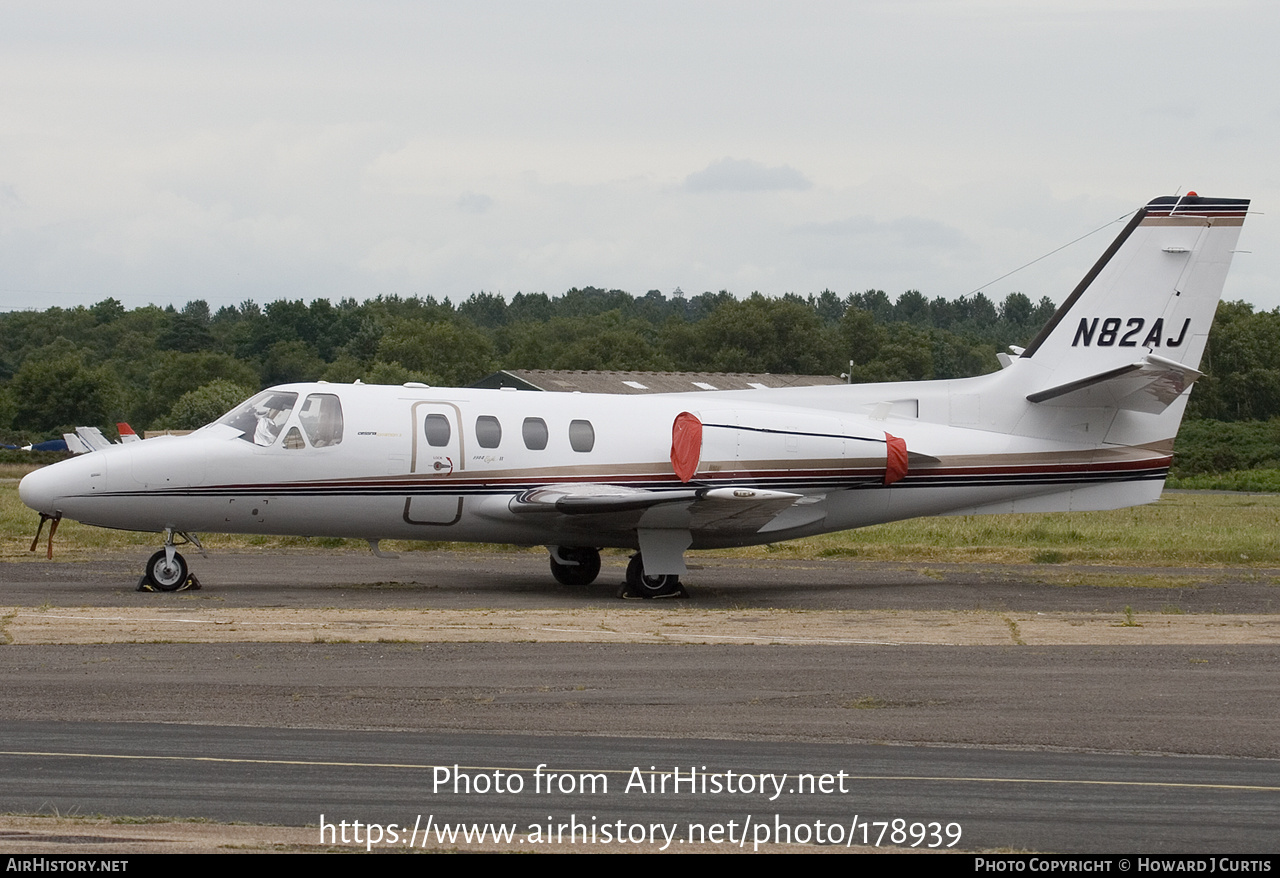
(1104, 334)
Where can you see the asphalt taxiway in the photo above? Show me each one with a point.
(521, 579)
(1094, 746)
(675, 792)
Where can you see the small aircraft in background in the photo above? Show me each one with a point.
(86, 439)
(82, 441)
(1083, 418)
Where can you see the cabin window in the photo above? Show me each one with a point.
(582, 436)
(535, 434)
(488, 431)
(321, 418)
(293, 439)
(261, 419)
(437, 430)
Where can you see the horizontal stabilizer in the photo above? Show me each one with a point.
(1149, 385)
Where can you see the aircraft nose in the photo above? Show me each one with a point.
(46, 489)
(39, 490)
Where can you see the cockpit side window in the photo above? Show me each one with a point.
(321, 418)
(260, 419)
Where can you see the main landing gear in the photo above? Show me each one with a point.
(580, 565)
(575, 565)
(664, 585)
(167, 570)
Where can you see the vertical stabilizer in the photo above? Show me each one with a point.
(1155, 290)
(1125, 347)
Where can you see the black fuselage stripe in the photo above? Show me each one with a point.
(960, 480)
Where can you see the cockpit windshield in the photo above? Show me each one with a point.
(260, 419)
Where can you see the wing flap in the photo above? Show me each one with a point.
(734, 507)
(593, 499)
(739, 508)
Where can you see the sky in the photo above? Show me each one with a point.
(165, 152)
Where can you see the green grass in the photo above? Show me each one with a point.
(1180, 530)
(16, 470)
(1262, 480)
(1193, 529)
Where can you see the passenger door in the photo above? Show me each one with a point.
(437, 460)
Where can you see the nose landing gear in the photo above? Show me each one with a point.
(165, 573)
(167, 570)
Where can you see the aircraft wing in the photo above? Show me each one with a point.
(739, 508)
(1149, 385)
(592, 499)
(690, 508)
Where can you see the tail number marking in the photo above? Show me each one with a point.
(1105, 335)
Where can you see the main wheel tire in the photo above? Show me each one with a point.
(164, 576)
(582, 573)
(650, 586)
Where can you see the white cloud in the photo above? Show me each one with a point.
(744, 175)
(907, 231)
(475, 202)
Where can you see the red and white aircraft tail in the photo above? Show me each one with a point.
(86, 439)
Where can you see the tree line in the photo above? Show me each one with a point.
(179, 368)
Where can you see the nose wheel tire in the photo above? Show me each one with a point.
(163, 575)
(584, 572)
(641, 586)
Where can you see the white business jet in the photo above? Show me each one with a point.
(1084, 418)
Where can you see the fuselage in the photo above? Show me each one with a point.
(412, 462)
